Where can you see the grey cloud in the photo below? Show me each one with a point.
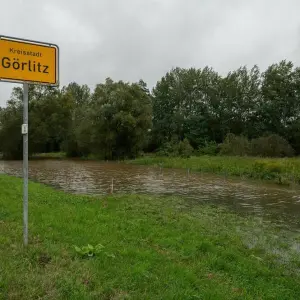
(136, 39)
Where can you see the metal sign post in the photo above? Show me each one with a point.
(26, 61)
(25, 162)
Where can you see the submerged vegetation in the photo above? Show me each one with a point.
(139, 247)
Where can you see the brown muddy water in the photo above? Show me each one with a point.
(266, 201)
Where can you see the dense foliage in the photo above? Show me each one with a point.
(113, 122)
(187, 108)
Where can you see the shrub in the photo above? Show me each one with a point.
(271, 146)
(185, 149)
(210, 148)
(235, 145)
(175, 148)
(167, 149)
(269, 170)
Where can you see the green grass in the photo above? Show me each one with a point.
(54, 155)
(279, 170)
(154, 248)
(63, 155)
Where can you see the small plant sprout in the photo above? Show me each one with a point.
(91, 251)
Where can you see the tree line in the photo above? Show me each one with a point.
(187, 109)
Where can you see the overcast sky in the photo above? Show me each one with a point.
(133, 39)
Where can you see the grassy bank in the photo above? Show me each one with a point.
(279, 170)
(50, 155)
(154, 248)
(62, 155)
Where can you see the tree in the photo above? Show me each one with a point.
(10, 127)
(280, 104)
(49, 116)
(240, 96)
(78, 99)
(185, 104)
(120, 116)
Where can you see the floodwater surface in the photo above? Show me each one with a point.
(270, 202)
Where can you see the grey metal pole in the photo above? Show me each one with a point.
(25, 162)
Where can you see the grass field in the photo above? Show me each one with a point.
(279, 170)
(154, 248)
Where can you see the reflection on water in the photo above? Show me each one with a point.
(88, 177)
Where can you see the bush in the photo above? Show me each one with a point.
(167, 149)
(185, 149)
(210, 148)
(175, 148)
(235, 145)
(271, 146)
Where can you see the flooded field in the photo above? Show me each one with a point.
(267, 201)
